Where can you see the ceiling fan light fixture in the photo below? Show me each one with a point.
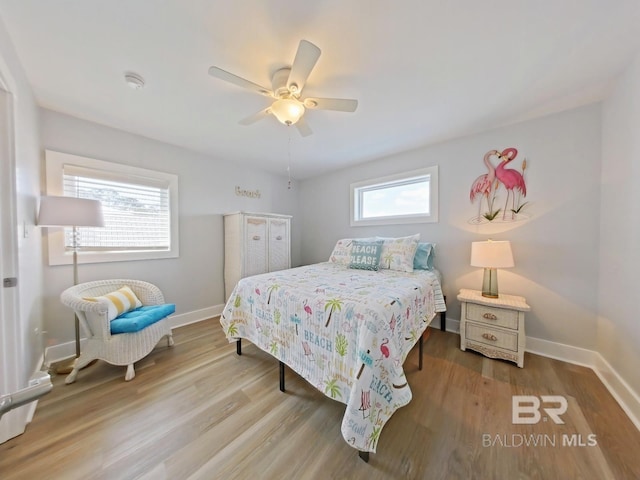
(287, 110)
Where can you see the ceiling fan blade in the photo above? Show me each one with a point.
(256, 116)
(306, 58)
(303, 127)
(239, 81)
(338, 104)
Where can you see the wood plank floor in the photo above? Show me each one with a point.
(198, 411)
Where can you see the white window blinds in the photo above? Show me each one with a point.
(136, 210)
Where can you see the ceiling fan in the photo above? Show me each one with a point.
(286, 88)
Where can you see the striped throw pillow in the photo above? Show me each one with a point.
(118, 302)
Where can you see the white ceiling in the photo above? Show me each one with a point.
(422, 70)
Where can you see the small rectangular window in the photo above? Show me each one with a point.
(410, 197)
(139, 207)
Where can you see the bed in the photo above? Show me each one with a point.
(346, 331)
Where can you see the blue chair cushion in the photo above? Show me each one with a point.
(140, 318)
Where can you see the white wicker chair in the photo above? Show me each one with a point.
(120, 349)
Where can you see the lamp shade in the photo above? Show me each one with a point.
(491, 254)
(70, 212)
(287, 110)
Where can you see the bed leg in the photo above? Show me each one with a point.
(239, 346)
(363, 455)
(443, 317)
(281, 376)
(420, 350)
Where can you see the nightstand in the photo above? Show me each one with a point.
(493, 326)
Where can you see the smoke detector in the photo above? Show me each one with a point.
(134, 80)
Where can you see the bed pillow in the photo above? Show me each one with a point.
(423, 259)
(366, 255)
(341, 253)
(398, 253)
(118, 302)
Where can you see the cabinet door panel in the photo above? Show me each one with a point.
(256, 242)
(278, 245)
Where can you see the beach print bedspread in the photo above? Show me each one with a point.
(345, 331)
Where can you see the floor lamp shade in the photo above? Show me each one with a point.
(71, 212)
(491, 255)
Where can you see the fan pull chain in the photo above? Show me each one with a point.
(289, 161)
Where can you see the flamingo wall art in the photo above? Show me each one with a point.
(499, 181)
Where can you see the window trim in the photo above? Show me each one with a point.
(395, 180)
(58, 254)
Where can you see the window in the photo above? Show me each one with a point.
(410, 197)
(140, 209)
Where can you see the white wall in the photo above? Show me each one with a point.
(26, 324)
(555, 251)
(194, 281)
(619, 321)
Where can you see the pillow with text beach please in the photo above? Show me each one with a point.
(366, 255)
(341, 253)
(118, 302)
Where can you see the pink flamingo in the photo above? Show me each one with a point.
(483, 185)
(392, 323)
(384, 349)
(510, 178)
(307, 308)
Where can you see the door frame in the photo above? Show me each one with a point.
(11, 346)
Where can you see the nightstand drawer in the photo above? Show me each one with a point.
(493, 316)
(493, 337)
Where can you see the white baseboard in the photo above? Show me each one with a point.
(628, 400)
(560, 351)
(63, 351)
(195, 316)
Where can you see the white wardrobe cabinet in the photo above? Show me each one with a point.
(254, 243)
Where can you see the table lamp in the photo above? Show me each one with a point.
(491, 255)
(71, 212)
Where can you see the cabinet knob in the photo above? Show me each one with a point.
(489, 316)
(489, 336)
(279, 237)
(256, 237)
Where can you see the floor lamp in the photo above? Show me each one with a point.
(71, 212)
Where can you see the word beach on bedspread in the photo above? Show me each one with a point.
(345, 331)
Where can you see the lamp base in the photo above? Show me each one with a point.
(490, 283)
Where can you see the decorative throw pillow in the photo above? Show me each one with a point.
(118, 302)
(398, 253)
(424, 256)
(341, 253)
(366, 255)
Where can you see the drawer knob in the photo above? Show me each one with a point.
(279, 237)
(489, 316)
(256, 237)
(489, 336)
